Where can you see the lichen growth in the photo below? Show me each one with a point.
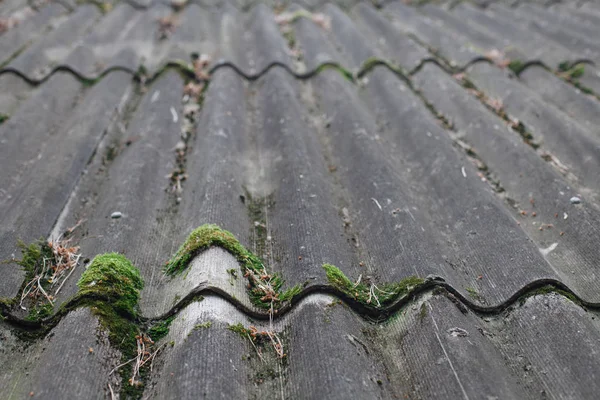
(233, 275)
(204, 325)
(423, 311)
(113, 278)
(368, 293)
(474, 294)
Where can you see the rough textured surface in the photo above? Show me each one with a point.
(443, 141)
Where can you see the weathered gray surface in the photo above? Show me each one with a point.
(359, 173)
(39, 58)
(433, 350)
(62, 137)
(584, 109)
(558, 133)
(29, 29)
(73, 361)
(530, 183)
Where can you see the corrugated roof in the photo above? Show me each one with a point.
(457, 143)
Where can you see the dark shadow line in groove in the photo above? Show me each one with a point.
(361, 72)
(371, 314)
(137, 6)
(238, 5)
(63, 68)
(447, 68)
(540, 63)
(278, 64)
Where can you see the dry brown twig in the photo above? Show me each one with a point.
(495, 104)
(255, 348)
(59, 267)
(193, 90)
(262, 282)
(16, 18)
(200, 65)
(112, 393)
(166, 26)
(144, 356)
(324, 21)
(273, 338)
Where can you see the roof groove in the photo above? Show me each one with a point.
(368, 313)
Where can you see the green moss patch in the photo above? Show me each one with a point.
(45, 265)
(368, 293)
(240, 330)
(474, 294)
(207, 236)
(123, 335)
(111, 286)
(32, 257)
(264, 288)
(160, 329)
(548, 289)
(516, 66)
(112, 277)
(37, 313)
(204, 325)
(573, 73)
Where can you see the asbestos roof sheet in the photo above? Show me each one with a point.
(453, 142)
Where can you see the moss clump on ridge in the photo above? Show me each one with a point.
(111, 287)
(368, 293)
(112, 277)
(206, 236)
(264, 288)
